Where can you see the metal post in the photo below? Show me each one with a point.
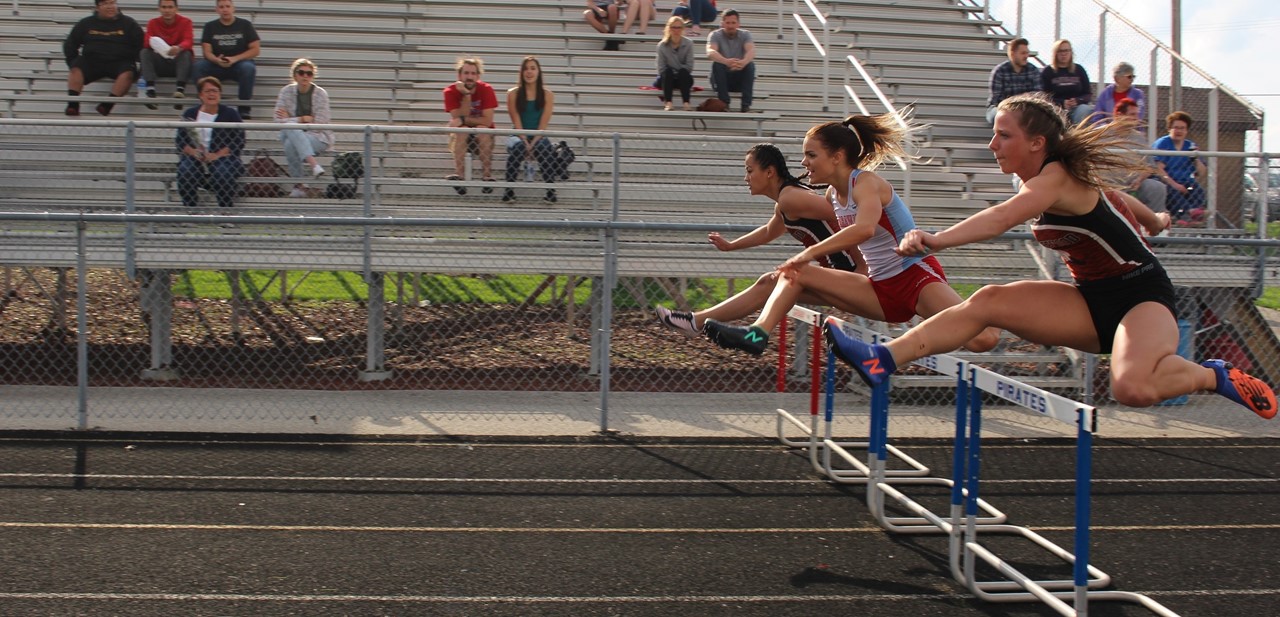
(826, 65)
(780, 21)
(367, 243)
(1211, 187)
(795, 37)
(1102, 53)
(610, 282)
(1153, 100)
(1175, 77)
(1262, 213)
(1057, 22)
(130, 177)
(156, 298)
(375, 345)
(1084, 471)
(1018, 17)
(82, 331)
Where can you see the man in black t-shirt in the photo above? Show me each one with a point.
(229, 45)
(102, 45)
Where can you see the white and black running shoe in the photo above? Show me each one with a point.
(680, 320)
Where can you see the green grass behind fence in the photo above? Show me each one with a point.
(439, 289)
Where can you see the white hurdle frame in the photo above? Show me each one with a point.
(964, 524)
(820, 449)
(881, 478)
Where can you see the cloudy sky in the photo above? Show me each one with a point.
(1234, 41)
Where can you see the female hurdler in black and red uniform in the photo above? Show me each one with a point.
(798, 211)
(1120, 301)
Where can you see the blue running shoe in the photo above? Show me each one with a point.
(1243, 388)
(873, 363)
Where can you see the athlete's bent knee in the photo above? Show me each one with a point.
(1133, 392)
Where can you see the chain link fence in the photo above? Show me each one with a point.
(124, 308)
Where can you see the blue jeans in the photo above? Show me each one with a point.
(726, 81)
(542, 152)
(242, 72)
(298, 145)
(1180, 205)
(222, 179)
(698, 12)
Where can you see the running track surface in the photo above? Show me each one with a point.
(162, 525)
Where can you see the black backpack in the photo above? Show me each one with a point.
(564, 157)
(345, 165)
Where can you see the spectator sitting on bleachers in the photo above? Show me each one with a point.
(603, 16)
(104, 44)
(1068, 83)
(303, 102)
(230, 44)
(170, 39)
(1147, 189)
(1181, 173)
(1013, 76)
(1119, 89)
(639, 11)
(731, 51)
(696, 12)
(470, 103)
(675, 63)
(530, 105)
(210, 157)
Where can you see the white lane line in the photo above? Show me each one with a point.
(634, 446)
(579, 530)
(812, 480)
(106, 476)
(419, 529)
(440, 599)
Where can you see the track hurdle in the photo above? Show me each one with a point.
(964, 525)
(1086, 580)
(882, 479)
(820, 447)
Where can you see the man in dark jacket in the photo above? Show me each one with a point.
(103, 45)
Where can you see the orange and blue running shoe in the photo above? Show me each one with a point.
(873, 363)
(1243, 388)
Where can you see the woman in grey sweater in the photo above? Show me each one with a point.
(675, 63)
(303, 102)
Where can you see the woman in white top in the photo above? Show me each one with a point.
(303, 102)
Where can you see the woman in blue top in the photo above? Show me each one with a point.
(530, 105)
(1180, 172)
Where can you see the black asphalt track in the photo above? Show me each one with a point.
(227, 525)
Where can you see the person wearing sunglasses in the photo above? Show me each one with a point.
(303, 102)
(1119, 89)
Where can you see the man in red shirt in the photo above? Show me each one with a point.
(167, 50)
(470, 103)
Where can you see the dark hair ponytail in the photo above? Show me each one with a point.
(768, 155)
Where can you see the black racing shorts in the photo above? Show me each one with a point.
(1109, 300)
(108, 69)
